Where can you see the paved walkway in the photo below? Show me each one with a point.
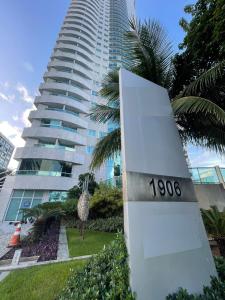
(6, 232)
(63, 251)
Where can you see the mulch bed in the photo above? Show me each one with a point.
(46, 248)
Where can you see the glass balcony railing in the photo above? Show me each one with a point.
(55, 147)
(198, 175)
(204, 175)
(64, 110)
(43, 173)
(59, 127)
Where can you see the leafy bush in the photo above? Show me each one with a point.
(214, 221)
(44, 217)
(70, 208)
(113, 224)
(220, 267)
(215, 292)
(106, 276)
(106, 202)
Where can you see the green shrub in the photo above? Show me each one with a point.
(105, 277)
(70, 208)
(106, 202)
(113, 224)
(220, 267)
(215, 292)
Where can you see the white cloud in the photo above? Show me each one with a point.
(25, 115)
(5, 84)
(4, 97)
(28, 66)
(201, 157)
(15, 118)
(24, 93)
(13, 133)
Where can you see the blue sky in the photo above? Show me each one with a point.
(28, 31)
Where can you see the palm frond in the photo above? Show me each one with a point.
(104, 113)
(196, 105)
(205, 81)
(110, 86)
(106, 148)
(149, 50)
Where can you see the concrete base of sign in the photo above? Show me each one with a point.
(168, 248)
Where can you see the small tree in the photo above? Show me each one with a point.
(76, 191)
(83, 205)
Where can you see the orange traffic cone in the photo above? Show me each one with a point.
(15, 239)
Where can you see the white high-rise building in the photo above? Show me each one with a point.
(61, 138)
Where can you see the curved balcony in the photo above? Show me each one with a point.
(55, 86)
(75, 42)
(80, 81)
(79, 28)
(75, 57)
(82, 16)
(91, 2)
(74, 48)
(58, 115)
(73, 66)
(85, 8)
(82, 19)
(55, 133)
(37, 152)
(80, 22)
(82, 11)
(70, 34)
(54, 183)
(64, 100)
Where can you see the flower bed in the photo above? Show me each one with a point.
(46, 248)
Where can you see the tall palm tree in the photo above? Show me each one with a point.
(199, 120)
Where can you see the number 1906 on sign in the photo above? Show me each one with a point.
(165, 188)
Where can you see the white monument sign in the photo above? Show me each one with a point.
(165, 235)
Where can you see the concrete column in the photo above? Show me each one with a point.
(220, 176)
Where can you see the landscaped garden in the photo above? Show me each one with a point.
(93, 241)
(37, 283)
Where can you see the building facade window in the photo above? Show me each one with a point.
(92, 132)
(22, 199)
(90, 149)
(55, 196)
(45, 167)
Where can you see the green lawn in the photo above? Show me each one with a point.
(37, 283)
(93, 241)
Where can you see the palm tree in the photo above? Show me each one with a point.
(151, 56)
(214, 221)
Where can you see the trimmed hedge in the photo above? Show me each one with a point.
(113, 224)
(105, 277)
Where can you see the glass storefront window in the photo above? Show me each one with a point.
(55, 196)
(13, 209)
(22, 199)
